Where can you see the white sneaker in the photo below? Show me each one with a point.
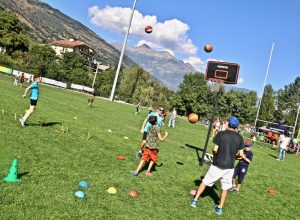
(277, 159)
(22, 122)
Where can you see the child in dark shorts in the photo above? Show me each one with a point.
(151, 147)
(241, 168)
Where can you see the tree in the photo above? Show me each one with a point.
(42, 60)
(9, 23)
(194, 95)
(286, 103)
(267, 107)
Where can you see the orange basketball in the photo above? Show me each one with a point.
(133, 193)
(193, 118)
(208, 48)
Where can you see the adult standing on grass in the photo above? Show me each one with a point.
(16, 82)
(284, 143)
(173, 118)
(34, 87)
(228, 144)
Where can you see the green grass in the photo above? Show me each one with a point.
(52, 163)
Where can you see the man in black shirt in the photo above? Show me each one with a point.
(228, 144)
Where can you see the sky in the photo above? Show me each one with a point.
(240, 31)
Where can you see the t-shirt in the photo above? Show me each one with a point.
(159, 121)
(34, 91)
(151, 141)
(229, 143)
(284, 141)
(249, 156)
(174, 114)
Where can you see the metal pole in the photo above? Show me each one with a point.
(296, 120)
(95, 77)
(122, 54)
(267, 72)
(209, 129)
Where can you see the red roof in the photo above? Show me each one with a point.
(68, 43)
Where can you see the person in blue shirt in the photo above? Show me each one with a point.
(144, 130)
(34, 87)
(242, 167)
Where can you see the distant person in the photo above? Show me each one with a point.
(138, 108)
(22, 79)
(284, 143)
(34, 87)
(151, 147)
(241, 168)
(17, 77)
(91, 100)
(227, 144)
(159, 114)
(173, 118)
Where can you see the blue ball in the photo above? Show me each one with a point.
(79, 194)
(83, 184)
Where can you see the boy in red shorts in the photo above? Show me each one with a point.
(151, 146)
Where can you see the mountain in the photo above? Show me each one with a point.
(164, 66)
(46, 24)
(238, 89)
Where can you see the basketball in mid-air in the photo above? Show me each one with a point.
(193, 118)
(208, 48)
(148, 29)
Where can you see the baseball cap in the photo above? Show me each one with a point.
(233, 122)
(248, 143)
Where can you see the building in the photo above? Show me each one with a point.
(73, 45)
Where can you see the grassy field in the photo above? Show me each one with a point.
(51, 163)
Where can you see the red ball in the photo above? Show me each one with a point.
(193, 118)
(148, 29)
(208, 48)
(133, 193)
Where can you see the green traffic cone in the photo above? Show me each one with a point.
(12, 175)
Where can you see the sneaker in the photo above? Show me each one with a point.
(218, 210)
(233, 188)
(194, 203)
(22, 122)
(139, 155)
(277, 159)
(149, 174)
(236, 190)
(133, 173)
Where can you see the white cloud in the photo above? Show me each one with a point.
(197, 63)
(240, 81)
(170, 34)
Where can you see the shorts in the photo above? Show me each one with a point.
(215, 173)
(145, 135)
(240, 172)
(149, 154)
(33, 102)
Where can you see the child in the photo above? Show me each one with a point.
(241, 168)
(159, 114)
(91, 100)
(34, 87)
(151, 146)
(284, 143)
(16, 82)
(22, 79)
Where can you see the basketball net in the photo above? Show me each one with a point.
(215, 85)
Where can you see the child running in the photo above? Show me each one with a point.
(34, 87)
(151, 146)
(242, 167)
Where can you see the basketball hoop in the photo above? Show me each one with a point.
(215, 85)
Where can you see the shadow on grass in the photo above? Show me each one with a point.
(209, 191)
(44, 124)
(153, 168)
(179, 163)
(20, 175)
(271, 155)
(197, 151)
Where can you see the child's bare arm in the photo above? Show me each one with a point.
(246, 159)
(144, 123)
(26, 91)
(162, 138)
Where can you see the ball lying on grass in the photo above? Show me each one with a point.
(79, 194)
(83, 184)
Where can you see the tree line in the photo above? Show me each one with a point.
(135, 85)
